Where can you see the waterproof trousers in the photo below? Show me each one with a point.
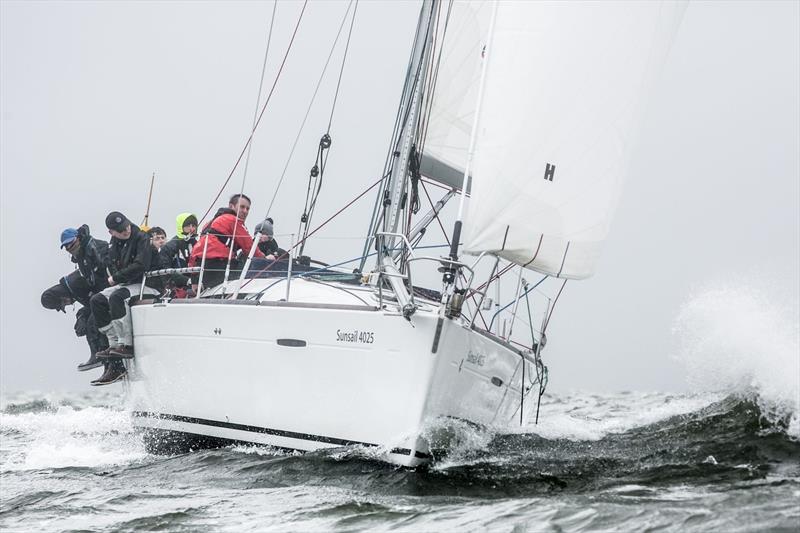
(112, 313)
(73, 287)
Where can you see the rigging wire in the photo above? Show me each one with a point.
(298, 275)
(250, 145)
(403, 112)
(261, 114)
(260, 88)
(351, 202)
(308, 110)
(518, 297)
(324, 144)
(341, 69)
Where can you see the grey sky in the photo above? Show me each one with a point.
(97, 96)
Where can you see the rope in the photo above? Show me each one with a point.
(493, 278)
(260, 87)
(549, 315)
(250, 145)
(354, 200)
(258, 294)
(260, 116)
(517, 298)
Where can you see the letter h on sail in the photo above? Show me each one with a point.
(549, 172)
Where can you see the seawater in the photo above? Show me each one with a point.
(597, 463)
(723, 458)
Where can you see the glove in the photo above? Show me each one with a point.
(81, 317)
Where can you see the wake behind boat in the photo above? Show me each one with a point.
(529, 108)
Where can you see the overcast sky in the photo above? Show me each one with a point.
(97, 96)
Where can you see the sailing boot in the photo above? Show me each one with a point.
(111, 331)
(121, 352)
(114, 372)
(93, 362)
(124, 326)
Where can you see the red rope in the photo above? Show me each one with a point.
(547, 322)
(261, 114)
(502, 271)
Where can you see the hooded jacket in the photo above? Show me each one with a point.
(176, 252)
(129, 259)
(179, 223)
(219, 234)
(92, 260)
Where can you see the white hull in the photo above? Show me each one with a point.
(305, 375)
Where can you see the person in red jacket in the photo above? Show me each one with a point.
(226, 229)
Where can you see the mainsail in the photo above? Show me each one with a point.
(564, 86)
(461, 36)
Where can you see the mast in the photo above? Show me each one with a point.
(393, 195)
(449, 273)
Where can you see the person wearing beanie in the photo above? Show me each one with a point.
(90, 255)
(130, 256)
(266, 240)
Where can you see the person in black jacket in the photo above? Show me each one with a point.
(130, 256)
(267, 242)
(176, 252)
(91, 258)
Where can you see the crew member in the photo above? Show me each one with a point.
(226, 229)
(130, 256)
(157, 237)
(266, 240)
(91, 257)
(175, 253)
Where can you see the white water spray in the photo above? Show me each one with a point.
(68, 437)
(734, 339)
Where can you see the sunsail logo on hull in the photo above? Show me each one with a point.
(364, 337)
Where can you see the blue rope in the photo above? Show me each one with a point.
(512, 301)
(302, 274)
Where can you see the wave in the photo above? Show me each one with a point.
(591, 417)
(49, 437)
(727, 441)
(736, 340)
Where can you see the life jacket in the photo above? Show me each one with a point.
(209, 230)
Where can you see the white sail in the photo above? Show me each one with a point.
(461, 36)
(564, 86)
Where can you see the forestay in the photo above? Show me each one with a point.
(564, 85)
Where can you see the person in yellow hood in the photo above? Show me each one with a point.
(175, 253)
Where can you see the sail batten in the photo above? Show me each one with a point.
(565, 83)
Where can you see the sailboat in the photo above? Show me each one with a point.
(528, 108)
